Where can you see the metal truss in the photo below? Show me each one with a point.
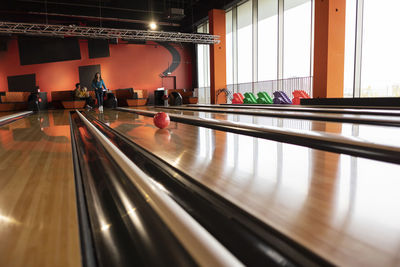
(105, 33)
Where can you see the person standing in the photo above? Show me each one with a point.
(99, 87)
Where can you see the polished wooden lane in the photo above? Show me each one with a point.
(370, 133)
(13, 117)
(293, 114)
(384, 111)
(38, 218)
(342, 208)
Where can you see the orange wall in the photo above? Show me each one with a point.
(129, 65)
(329, 44)
(217, 55)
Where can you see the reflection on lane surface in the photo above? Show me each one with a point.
(38, 220)
(376, 134)
(341, 207)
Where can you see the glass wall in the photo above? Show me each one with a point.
(229, 48)
(350, 44)
(297, 38)
(372, 54)
(244, 42)
(273, 41)
(203, 67)
(267, 40)
(380, 70)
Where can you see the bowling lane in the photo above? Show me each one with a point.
(38, 218)
(341, 207)
(371, 110)
(375, 119)
(376, 134)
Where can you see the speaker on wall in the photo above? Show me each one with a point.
(37, 50)
(140, 42)
(22, 83)
(3, 44)
(98, 48)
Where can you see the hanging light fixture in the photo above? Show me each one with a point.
(153, 25)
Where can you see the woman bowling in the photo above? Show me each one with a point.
(99, 87)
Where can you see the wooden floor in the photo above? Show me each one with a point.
(38, 218)
(343, 208)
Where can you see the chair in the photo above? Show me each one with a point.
(139, 98)
(11, 101)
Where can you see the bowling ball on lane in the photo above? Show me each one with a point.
(161, 120)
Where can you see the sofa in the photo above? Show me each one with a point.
(67, 99)
(13, 101)
(131, 97)
(140, 98)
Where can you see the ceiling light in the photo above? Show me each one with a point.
(153, 25)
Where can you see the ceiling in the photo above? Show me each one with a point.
(130, 14)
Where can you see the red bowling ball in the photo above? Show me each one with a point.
(161, 120)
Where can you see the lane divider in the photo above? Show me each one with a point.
(201, 245)
(305, 115)
(320, 140)
(8, 118)
(361, 111)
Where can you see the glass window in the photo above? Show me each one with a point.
(203, 67)
(207, 65)
(229, 48)
(267, 40)
(200, 60)
(297, 38)
(380, 71)
(350, 44)
(245, 36)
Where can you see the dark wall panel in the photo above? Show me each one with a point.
(37, 50)
(22, 83)
(3, 43)
(139, 42)
(86, 75)
(98, 48)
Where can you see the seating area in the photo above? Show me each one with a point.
(130, 97)
(125, 97)
(66, 99)
(13, 101)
